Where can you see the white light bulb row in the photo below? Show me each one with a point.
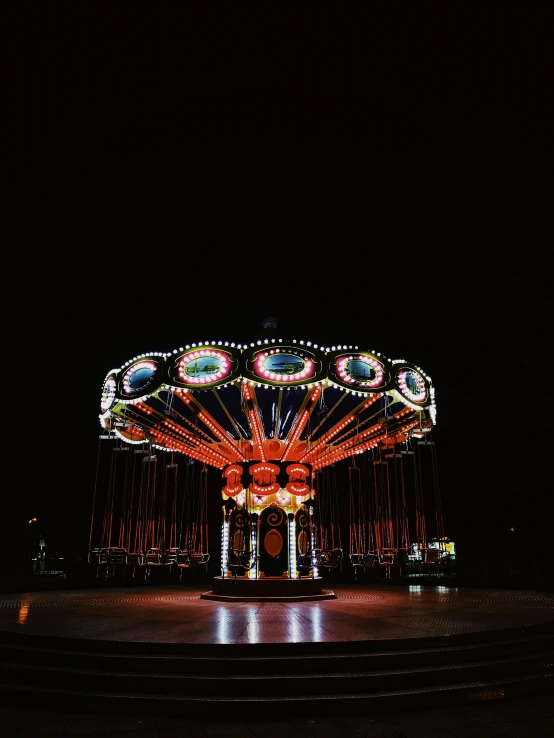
(224, 546)
(292, 548)
(433, 413)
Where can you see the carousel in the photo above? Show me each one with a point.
(324, 455)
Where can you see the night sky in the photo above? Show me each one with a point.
(386, 186)
(484, 338)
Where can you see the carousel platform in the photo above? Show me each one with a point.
(371, 649)
(267, 589)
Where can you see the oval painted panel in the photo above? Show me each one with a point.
(302, 542)
(360, 370)
(204, 366)
(108, 394)
(239, 541)
(273, 543)
(139, 377)
(412, 385)
(284, 366)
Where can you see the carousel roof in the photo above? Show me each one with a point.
(268, 400)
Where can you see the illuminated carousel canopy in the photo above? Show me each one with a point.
(273, 401)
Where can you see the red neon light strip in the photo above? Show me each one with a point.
(302, 420)
(332, 432)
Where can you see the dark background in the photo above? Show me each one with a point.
(378, 180)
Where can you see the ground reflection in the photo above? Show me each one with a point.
(23, 613)
(223, 623)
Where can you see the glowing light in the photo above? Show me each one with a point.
(224, 546)
(23, 613)
(292, 548)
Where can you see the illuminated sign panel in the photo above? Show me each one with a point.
(285, 365)
(359, 371)
(412, 385)
(108, 394)
(203, 367)
(141, 378)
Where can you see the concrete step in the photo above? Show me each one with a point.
(325, 681)
(149, 660)
(70, 699)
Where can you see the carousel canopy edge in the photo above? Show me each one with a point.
(277, 363)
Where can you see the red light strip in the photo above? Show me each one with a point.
(163, 439)
(348, 449)
(211, 423)
(332, 432)
(193, 439)
(299, 427)
(254, 424)
(339, 455)
(301, 421)
(217, 431)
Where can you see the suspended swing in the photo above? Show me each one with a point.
(425, 468)
(385, 533)
(109, 559)
(363, 555)
(327, 552)
(192, 550)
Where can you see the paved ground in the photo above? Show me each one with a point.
(178, 615)
(531, 717)
(166, 614)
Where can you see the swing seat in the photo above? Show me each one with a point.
(305, 563)
(171, 556)
(240, 561)
(97, 556)
(328, 558)
(135, 561)
(155, 557)
(364, 560)
(388, 557)
(431, 557)
(116, 556)
(320, 556)
(191, 559)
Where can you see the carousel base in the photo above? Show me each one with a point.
(267, 589)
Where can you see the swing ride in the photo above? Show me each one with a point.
(275, 418)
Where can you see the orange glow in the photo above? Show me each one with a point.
(23, 613)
